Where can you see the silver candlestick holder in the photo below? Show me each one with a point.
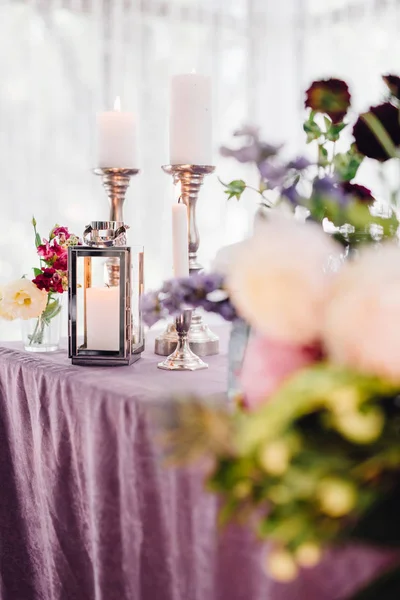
(201, 339)
(116, 181)
(183, 358)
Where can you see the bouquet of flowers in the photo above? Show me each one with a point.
(40, 297)
(325, 187)
(314, 457)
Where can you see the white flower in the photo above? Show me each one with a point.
(21, 299)
(362, 321)
(279, 282)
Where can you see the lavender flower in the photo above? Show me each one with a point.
(275, 175)
(299, 164)
(328, 186)
(197, 291)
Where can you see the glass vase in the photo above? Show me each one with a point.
(238, 341)
(43, 333)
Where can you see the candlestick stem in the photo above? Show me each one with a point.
(191, 178)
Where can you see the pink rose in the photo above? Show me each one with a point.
(267, 363)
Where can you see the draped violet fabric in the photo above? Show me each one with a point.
(89, 512)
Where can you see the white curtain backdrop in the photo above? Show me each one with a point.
(61, 61)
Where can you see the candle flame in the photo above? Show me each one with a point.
(117, 104)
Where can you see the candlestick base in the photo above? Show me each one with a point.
(201, 339)
(183, 358)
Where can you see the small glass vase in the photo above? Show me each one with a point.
(43, 333)
(238, 341)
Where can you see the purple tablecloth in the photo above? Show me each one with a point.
(88, 512)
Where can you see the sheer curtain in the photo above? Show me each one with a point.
(63, 60)
(60, 62)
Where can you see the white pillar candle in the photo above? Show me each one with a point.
(180, 240)
(191, 120)
(116, 133)
(102, 318)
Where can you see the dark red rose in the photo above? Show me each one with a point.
(393, 83)
(366, 141)
(49, 280)
(329, 96)
(359, 192)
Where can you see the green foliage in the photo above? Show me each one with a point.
(334, 131)
(346, 164)
(235, 188)
(37, 271)
(312, 129)
(323, 159)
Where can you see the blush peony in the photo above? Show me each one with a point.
(268, 363)
(279, 281)
(21, 299)
(360, 320)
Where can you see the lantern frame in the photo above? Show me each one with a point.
(129, 351)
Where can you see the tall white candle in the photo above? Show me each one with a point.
(191, 120)
(116, 134)
(180, 240)
(102, 318)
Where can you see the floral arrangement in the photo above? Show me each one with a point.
(325, 187)
(317, 450)
(39, 297)
(312, 457)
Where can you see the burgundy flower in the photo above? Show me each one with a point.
(366, 141)
(329, 96)
(359, 192)
(61, 232)
(50, 281)
(393, 83)
(46, 251)
(61, 263)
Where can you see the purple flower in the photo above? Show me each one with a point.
(328, 186)
(291, 194)
(275, 175)
(246, 154)
(151, 308)
(299, 164)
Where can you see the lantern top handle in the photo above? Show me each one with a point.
(103, 234)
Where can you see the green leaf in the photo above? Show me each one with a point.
(322, 156)
(327, 122)
(51, 311)
(334, 131)
(235, 188)
(37, 271)
(38, 240)
(34, 221)
(346, 164)
(312, 130)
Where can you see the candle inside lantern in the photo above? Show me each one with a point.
(191, 120)
(102, 318)
(116, 132)
(180, 237)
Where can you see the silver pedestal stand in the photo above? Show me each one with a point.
(201, 339)
(183, 358)
(115, 181)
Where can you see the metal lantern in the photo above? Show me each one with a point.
(105, 285)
